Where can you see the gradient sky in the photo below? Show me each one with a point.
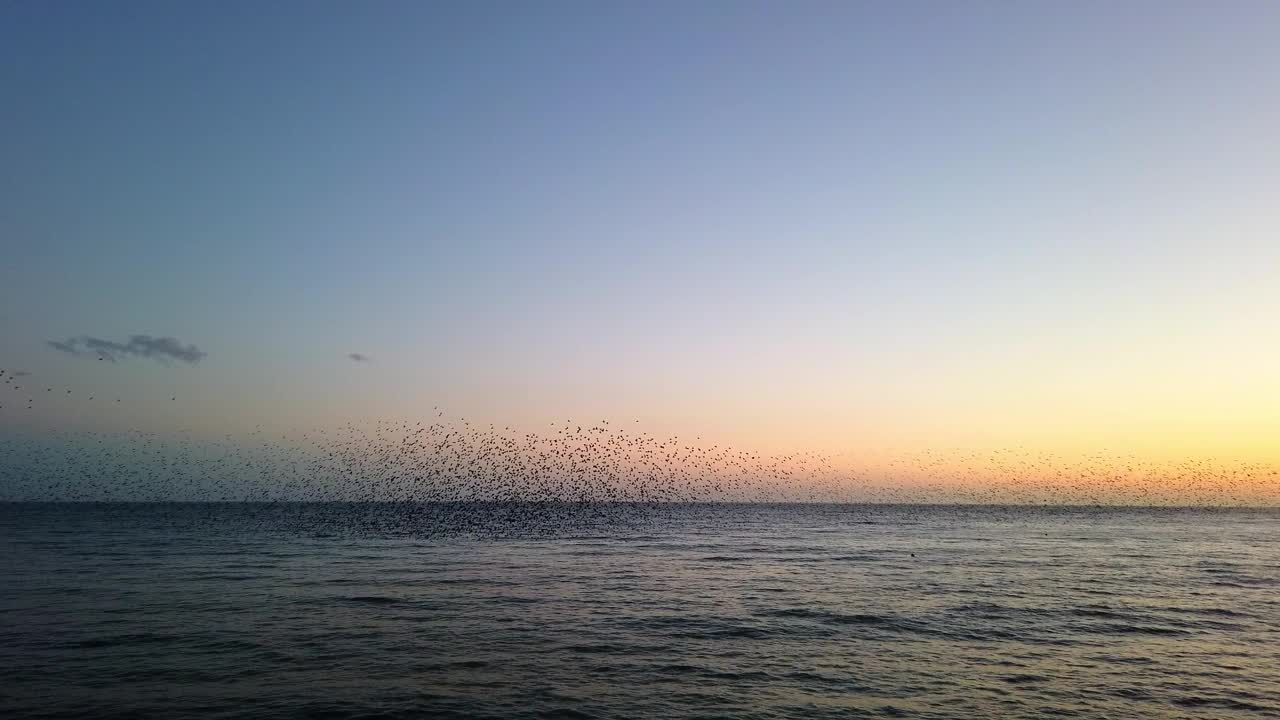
(842, 226)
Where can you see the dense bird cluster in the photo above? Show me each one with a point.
(443, 460)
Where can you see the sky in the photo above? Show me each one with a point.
(849, 227)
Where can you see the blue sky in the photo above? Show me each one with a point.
(806, 220)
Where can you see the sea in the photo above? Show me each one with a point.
(593, 610)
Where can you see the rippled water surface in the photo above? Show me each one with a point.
(628, 611)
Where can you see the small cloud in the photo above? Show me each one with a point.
(359, 357)
(19, 373)
(163, 349)
(68, 347)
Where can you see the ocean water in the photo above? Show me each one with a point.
(630, 611)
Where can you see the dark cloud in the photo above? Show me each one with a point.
(164, 349)
(66, 347)
(359, 357)
(19, 373)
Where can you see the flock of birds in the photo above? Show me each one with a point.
(443, 460)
